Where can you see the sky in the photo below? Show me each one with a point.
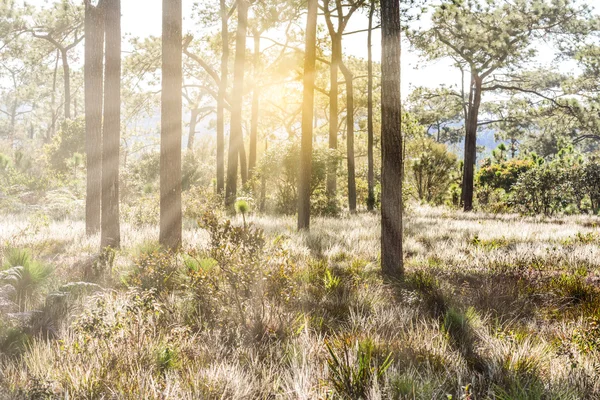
(142, 18)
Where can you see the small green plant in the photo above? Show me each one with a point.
(167, 359)
(242, 207)
(25, 274)
(352, 375)
(331, 281)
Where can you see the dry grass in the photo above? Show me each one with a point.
(492, 307)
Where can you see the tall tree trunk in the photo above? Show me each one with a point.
(391, 141)
(192, 131)
(52, 130)
(471, 143)
(336, 55)
(67, 82)
(171, 117)
(93, 77)
(263, 184)
(236, 139)
(308, 100)
(350, 137)
(370, 133)
(111, 136)
(255, 107)
(221, 99)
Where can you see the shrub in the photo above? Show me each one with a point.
(353, 372)
(504, 174)
(545, 189)
(67, 143)
(280, 169)
(432, 168)
(24, 274)
(155, 270)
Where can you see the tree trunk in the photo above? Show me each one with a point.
(336, 55)
(221, 99)
(243, 161)
(255, 107)
(391, 141)
(111, 137)
(370, 133)
(308, 100)
(471, 144)
(192, 131)
(171, 117)
(52, 130)
(263, 184)
(236, 140)
(67, 80)
(350, 137)
(94, 76)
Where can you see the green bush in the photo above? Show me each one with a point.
(546, 189)
(67, 144)
(432, 168)
(280, 168)
(504, 174)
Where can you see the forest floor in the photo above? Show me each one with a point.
(490, 307)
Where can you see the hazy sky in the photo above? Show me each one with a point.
(143, 18)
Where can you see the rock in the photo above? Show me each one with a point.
(8, 292)
(7, 306)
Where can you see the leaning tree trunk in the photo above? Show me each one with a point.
(94, 75)
(255, 107)
(111, 137)
(171, 116)
(350, 137)
(67, 82)
(52, 129)
(308, 100)
(336, 55)
(370, 158)
(391, 141)
(221, 99)
(236, 140)
(471, 144)
(192, 131)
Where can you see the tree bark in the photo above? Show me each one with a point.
(93, 77)
(52, 130)
(350, 137)
(370, 133)
(236, 140)
(171, 125)
(391, 141)
(471, 142)
(111, 136)
(192, 132)
(336, 55)
(67, 82)
(308, 100)
(221, 99)
(255, 107)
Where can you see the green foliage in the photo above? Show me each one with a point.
(24, 274)
(156, 270)
(503, 174)
(543, 190)
(280, 168)
(353, 372)
(432, 169)
(64, 154)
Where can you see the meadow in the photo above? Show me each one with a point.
(490, 307)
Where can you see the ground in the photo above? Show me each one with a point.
(490, 307)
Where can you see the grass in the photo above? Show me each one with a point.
(491, 307)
